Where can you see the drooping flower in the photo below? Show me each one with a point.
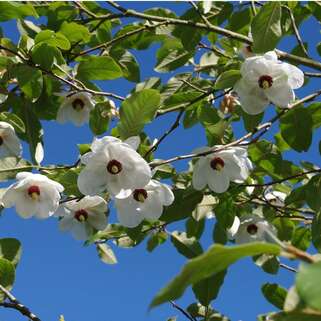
(83, 217)
(33, 194)
(76, 108)
(114, 166)
(265, 79)
(217, 169)
(9, 142)
(251, 228)
(275, 197)
(143, 203)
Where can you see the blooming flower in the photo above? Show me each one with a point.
(250, 228)
(76, 108)
(83, 217)
(143, 203)
(9, 142)
(114, 166)
(217, 169)
(265, 79)
(33, 194)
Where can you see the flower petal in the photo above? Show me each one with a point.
(218, 181)
(199, 179)
(295, 75)
(127, 213)
(281, 96)
(152, 208)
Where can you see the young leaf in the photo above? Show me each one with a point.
(136, 111)
(274, 294)
(189, 247)
(215, 260)
(266, 27)
(227, 79)
(106, 254)
(7, 276)
(10, 249)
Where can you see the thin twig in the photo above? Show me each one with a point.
(187, 315)
(289, 268)
(15, 304)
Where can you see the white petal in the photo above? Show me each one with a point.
(271, 55)
(133, 142)
(9, 197)
(127, 214)
(152, 208)
(13, 145)
(98, 221)
(91, 182)
(231, 232)
(199, 180)
(280, 96)
(99, 143)
(218, 181)
(65, 224)
(253, 101)
(26, 208)
(79, 231)
(166, 194)
(295, 75)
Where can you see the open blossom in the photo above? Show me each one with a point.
(76, 108)
(145, 202)
(33, 194)
(114, 166)
(9, 142)
(265, 79)
(217, 169)
(251, 228)
(83, 217)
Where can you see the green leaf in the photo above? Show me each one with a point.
(99, 118)
(251, 121)
(308, 284)
(295, 316)
(30, 81)
(313, 193)
(315, 111)
(16, 10)
(10, 249)
(98, 68)
(155, 240)
(75, 32)
(215, 260)
(13, 120)
(227, 79)
(136, 111)
(316, 231)
(185, 202)
(208, 289)
(106, 254)
(10, 166)
(266, 27)
(7, 276)
(189, 247)
(67, 177)
(299, 117)
(52, 38)
(171, 56)
(195, 228)
(45, 55)
(225, 212)
(301, 237)
(274, 294)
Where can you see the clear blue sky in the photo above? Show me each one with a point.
(57, 275)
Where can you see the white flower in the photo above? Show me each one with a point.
(275, 197)
(143, 203)
(33, 194)
(114, 166)
(265, 79)
(83, 217)
(251, 228)
(9, 142)
(217, 169)
(76, 108)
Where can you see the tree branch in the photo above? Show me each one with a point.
(187, 315)
(16, 305)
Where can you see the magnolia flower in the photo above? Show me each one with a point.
(275, 197)
(251, 228)
(9, 142)
(217, 169)
(76, 108)
(265, 79)
(83, 217)
(143, 203)
(114, 166)
(33, 194)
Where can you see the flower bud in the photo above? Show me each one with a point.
(228, 103)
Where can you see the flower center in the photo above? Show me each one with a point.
(81, 216)
(114, 167)
(78, 104)
(1, 140)
(252, 229)
(34, 192)
(265, 81)
(140, 195)
(217, 163)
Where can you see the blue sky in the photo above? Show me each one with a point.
(57, 275)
